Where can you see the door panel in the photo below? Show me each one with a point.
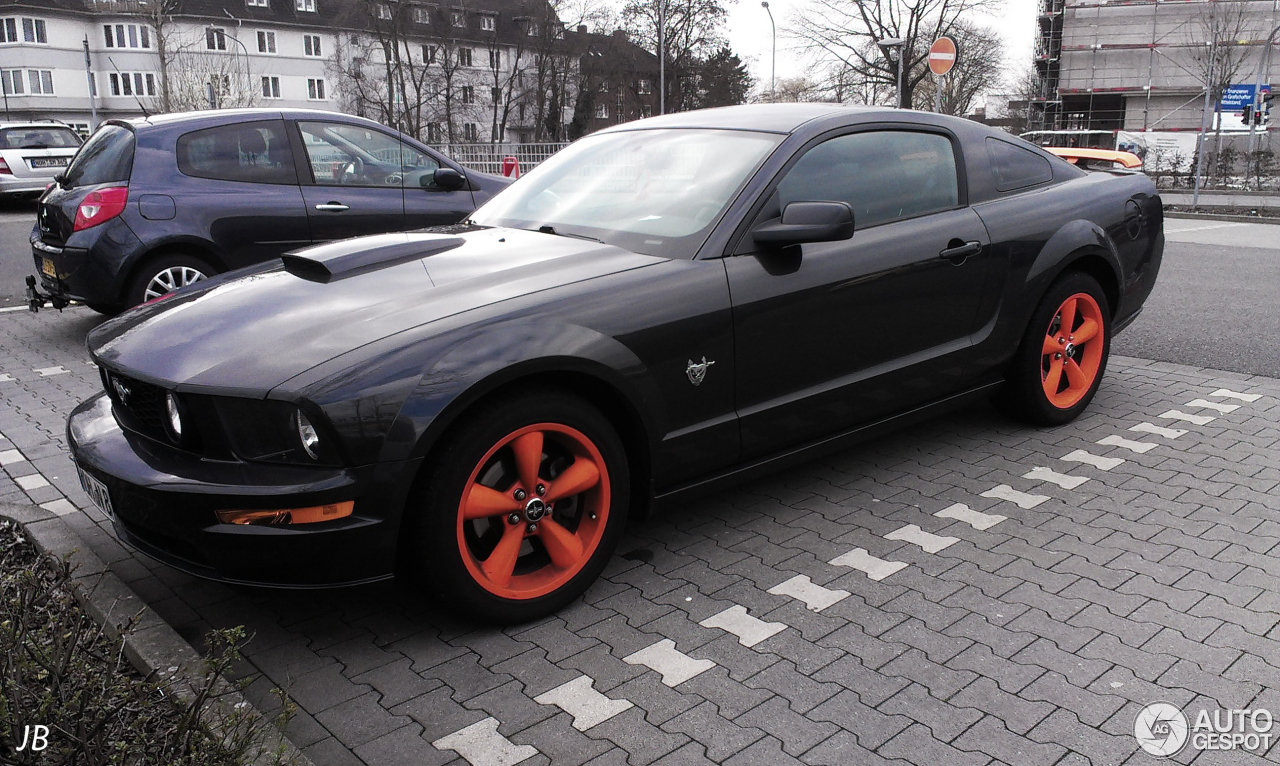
(353, 180)
(426, 204)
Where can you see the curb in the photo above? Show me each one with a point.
(1220, 217)
(152, 647)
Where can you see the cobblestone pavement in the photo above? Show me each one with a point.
(968, 591)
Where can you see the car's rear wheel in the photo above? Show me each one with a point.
(1063, 355)
(521, 508)
(161, 276)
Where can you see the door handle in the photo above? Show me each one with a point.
(332, 207)
(961, 251)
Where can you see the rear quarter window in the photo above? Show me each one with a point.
(107, 157)
(249, 152)
(1016, 167)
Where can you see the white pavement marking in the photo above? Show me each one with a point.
(1064, 480)
(34, 481)
(931, 543)
(815, 597)
(1021, 499)
(61, 506)
(1141, 448)
(47, 371)
(6, 377)
(1097, 461)
(7, 309)
(1200, 420)
(1215, 406)
(675, 666)
(875, 569)
(1228, 393)
(480, 744)
(1151, 428)
(1206, 227)
(11, 456)
(749, 630)
(975, 519)
(579, 699)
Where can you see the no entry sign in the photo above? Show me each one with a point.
(942, 55)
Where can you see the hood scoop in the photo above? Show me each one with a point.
(349, 257)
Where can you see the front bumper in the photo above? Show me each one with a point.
(164, 502)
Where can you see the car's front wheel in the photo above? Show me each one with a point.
(1063, 355)
(159, 277)
(521, 508)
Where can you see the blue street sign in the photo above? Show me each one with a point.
(1236, 97)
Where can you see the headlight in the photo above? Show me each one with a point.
(174, 416)
(308, 436)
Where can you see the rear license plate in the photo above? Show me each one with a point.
(48, 162)
(97, 492)
(46, 266)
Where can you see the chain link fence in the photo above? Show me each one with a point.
(487, 158)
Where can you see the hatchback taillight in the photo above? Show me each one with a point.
(4, 168)
(100, 206)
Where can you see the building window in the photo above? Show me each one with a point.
(421, 14)
(258, 3)
(270, 87)
(534, 29)
(468, 94)
(215, 39)
(464, 57)
(428, 54)
(645, 87)
(13, 82)
(459, 19)
(488, 23)
(33, 31)
(433, 132)
(306, 5)
(646, 110)
(382, 11)
(496, 95)
(470, 131)
(315, 89)
(266, 42)
(602, 111)
(131, 84)
(495, 58)
(311, 45)
(93, 85)
(220, 84)
(604, 86)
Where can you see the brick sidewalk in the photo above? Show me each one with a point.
(965, 591)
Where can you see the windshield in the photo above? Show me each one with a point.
(38, 138)
(656, 192)
(107, 157)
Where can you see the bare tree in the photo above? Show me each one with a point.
(848, 32)
(1217, 56)
(693, 31)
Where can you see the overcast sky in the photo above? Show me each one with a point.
(749, 35)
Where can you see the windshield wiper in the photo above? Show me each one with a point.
(549, 229)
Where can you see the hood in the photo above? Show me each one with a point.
(246, 332)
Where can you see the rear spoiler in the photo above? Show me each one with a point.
(1072, 155)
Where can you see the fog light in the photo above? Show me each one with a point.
(308, 436)
(175, 417)
(283, 516)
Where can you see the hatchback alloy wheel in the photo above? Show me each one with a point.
(170, 279)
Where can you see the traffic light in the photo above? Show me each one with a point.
(1247, 114)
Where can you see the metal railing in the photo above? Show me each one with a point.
(487, 158)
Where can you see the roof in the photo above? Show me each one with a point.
(774, 118)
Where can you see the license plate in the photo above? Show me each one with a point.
(48, 162)
(97, 492)
(46, 265)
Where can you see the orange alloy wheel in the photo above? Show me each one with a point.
(1072, 351)
(533, 511)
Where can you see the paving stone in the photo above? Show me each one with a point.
(644, 742)
(580, 700)
(404, 745)
(732, 698)
(975, 519)
(1017, 714)
(797, 733)
(720, 736)
(802, 692)
(765, 752)
(875, 568)
(1088, 707)
(945, 721)
(871, 727)
(481, 745)
(918, 745)
(674, 666)
(561, 743)
(814, 596)
(360, 720)
(749, 630)
(1023, 500)
(990, 736)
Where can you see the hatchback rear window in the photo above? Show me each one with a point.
(107, 157)
(251, 152)
(38, 138)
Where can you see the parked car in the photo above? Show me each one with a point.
(154, 204)
(31, 154)
(662, 308)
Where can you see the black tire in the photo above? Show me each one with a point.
(139, 290)
(433, 540)
(1025, 394)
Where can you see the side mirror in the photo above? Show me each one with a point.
(807, 222)
(445, 178)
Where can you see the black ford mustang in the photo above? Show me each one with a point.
(661, 308)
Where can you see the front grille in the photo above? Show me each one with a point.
(139, 406)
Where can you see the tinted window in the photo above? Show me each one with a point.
(883, 175)
(1016, 167)
(252, 152)
(107, 157)
(354, 155)
(38, 138)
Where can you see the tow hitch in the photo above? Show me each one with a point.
(37, 300)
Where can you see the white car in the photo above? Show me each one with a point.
(32, 153)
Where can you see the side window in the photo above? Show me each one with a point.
(251, 152)
(353, 155)
(1016, 167)
(884, 175)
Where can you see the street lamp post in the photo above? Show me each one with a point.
(662, 57)
(900, 44)
(773, 57)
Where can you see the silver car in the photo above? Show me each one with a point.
(32, 153)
